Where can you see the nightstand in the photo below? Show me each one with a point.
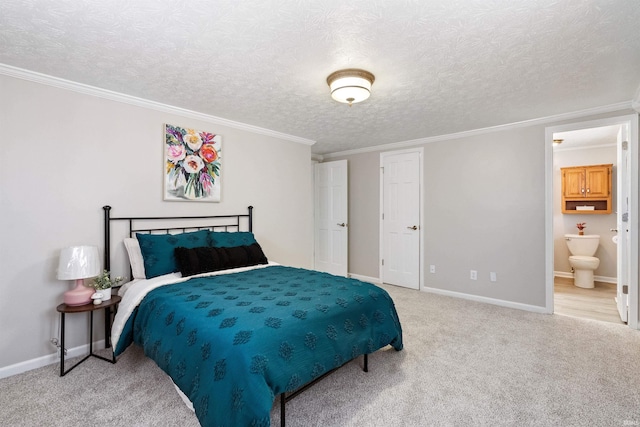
(68, 309)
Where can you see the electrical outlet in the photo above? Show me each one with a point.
(432, 268)
(474, 275)
(493, 277)
(55, 342)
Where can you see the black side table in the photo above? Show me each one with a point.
(106, 305)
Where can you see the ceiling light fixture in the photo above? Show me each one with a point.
(557, 142)
(351, 85)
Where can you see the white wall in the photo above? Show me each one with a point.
(66, 154)
(596, 224)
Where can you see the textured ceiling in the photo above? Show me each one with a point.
(441, 66)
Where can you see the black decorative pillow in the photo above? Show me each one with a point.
(245, 256)
(200, 260)
(238, 256)
(256, 256)
(206, 259)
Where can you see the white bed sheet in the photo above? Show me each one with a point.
(123, 289)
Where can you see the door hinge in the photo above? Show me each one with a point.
(625, 145)
(382, 261)
(625, 289)
(383, 216)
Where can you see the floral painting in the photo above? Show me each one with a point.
(192, 162)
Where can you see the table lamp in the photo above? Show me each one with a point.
(78, 263)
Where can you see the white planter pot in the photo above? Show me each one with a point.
(106, 294)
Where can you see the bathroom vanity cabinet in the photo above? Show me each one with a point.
(586, 189)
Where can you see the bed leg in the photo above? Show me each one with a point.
(282, 402)
(366, 362)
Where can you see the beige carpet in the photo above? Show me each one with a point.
(464, 364)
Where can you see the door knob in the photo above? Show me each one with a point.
(415, 227)
(342, 224)
(615, 230)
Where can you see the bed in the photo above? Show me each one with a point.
(232, 329)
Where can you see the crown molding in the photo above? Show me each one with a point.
(525, 123)
(48, 80)
(559, 148)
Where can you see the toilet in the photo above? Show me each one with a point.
(582, 249)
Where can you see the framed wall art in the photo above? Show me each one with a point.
(192, 164)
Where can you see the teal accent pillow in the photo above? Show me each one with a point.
(227, 239)
(158, 250)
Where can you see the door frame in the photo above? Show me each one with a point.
(632, 122)
(420, 151)
(623, 246)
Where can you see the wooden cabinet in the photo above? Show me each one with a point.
(586, 189)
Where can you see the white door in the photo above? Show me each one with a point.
(623, 210)
(400, 263)
(331, 227)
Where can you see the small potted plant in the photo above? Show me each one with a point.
(581, 226)
(103, 283)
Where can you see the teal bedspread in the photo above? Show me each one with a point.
(233, 342)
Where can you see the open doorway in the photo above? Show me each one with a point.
(584, 149)
(572, 151)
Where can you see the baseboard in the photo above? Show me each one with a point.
(502, 303)
(477, 298)
(604, 279)
(374, 280)
(50, 359)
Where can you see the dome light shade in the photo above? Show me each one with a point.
(351, 85)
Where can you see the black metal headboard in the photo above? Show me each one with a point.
(144, 224)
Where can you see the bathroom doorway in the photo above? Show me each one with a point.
(588, 144)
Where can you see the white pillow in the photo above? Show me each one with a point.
(135, 258)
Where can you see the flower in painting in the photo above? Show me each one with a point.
(207, 182)
(192, 164)
(192, 139)
(173, 134)
(208, 153)
(175, 153)
(207, 137)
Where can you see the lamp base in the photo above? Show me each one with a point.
(80, 295)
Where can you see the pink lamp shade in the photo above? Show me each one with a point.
(78, 263)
